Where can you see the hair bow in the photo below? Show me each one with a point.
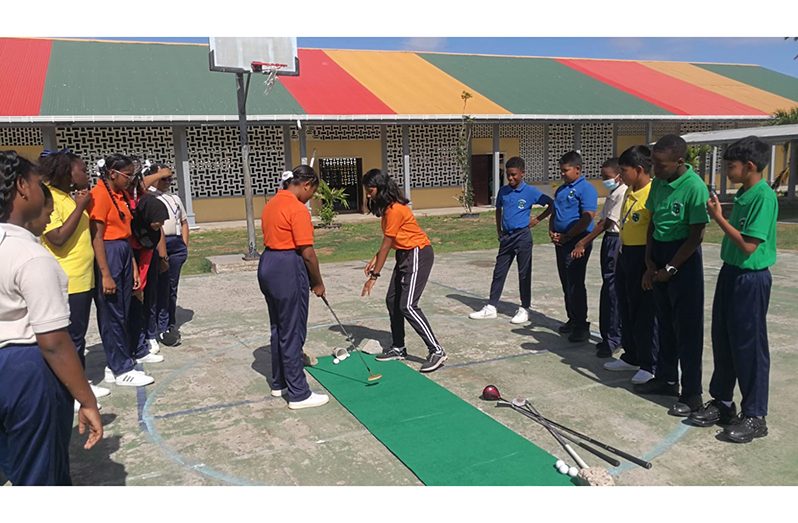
(287, 175)
(47, 152)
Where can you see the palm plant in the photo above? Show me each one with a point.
(328, 197)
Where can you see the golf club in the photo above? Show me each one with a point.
(492, 393)
(620, 453)
(536, 418)
(351, 339)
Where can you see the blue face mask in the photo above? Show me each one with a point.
(611, 185)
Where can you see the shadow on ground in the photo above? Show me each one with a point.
(95, 466)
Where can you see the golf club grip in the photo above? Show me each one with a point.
(624, 455)
(609, 459)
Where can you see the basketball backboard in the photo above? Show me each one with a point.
(237, 55)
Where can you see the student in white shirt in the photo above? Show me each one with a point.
(40, 372)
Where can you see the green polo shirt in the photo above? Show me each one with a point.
(677, 205)
(754, 214)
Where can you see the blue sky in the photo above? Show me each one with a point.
(774, 53)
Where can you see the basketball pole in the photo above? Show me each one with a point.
(243, 89)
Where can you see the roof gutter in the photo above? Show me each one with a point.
(112, 120)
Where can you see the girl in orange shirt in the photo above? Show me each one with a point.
(414, 260)
(287, 268)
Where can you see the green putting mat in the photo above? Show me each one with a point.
(438, 436)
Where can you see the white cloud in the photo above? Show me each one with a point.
(424, 44)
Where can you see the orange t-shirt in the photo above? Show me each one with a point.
(286, 222)
(399, 223)
(101, 209)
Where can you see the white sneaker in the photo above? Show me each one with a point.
(485, 313)
(642, 376)
(134, 378)
(154, 347)
(151, 358)
(619, 365)
(314, 400)
(521, 316)
(99, 392)
(279, 392)
(109, 376)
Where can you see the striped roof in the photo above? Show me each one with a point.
(81, 80)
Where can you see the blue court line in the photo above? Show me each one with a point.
(141, 398)
(661, 448)
(207, 408)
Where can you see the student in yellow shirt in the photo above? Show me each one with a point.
(639, 334)
(67, 236)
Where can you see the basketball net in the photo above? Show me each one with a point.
(269, 70)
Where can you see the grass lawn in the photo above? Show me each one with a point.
(359, 241)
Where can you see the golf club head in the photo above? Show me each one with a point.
(519, 402)
(491, 393)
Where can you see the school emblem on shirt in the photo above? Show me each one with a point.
(636, 217)
(522, 204)
(676, 208)
(571, 194)
(742, 224)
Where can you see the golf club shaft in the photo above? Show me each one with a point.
(609, 459)
(625, 455)
(564, 444)
(348, 337)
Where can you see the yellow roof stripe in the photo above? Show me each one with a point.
(719, 84)
(408, 84)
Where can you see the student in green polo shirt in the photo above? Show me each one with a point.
(674, 271)
(739, 327)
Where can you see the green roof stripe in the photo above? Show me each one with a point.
(96, 78)
(549, 87)
(765, 79)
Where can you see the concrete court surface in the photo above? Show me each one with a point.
(209, 418)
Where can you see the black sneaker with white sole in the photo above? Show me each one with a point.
(434, 360)
(393, 353)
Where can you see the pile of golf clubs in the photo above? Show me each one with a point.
(562, 433)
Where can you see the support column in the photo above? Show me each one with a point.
(545, 153)
(183, 171)
(287, 155)
(406, 161)
(48, 138)
(496, 164)
(384, 147)
(713, 166)
(793, 169)
(303, 146)
(649, 132)
(578, 137)
(772, 170)
(720, 172)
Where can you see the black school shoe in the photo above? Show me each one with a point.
(603, 350)
(393, 353)
(686, 405)
(657, 386)
(746, 429)
(566, 328)
(580, 334)
(434, 361)
(171, 338)
(713, 412)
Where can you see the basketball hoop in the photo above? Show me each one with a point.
(270, 71)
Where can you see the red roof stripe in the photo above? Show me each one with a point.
(23, 71)
(667, 92)
(324, 87)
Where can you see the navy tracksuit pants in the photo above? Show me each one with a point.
(513, 244)
(283, 280)
(740, 338)
(609, 309)
(680, 314)
(167, 286)
(572, 277)
(35, 419)
(639, 328)
(79, 313)
(113, 310)
(410, 275)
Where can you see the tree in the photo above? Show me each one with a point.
(785, 116)
(462, 152)
(328, 197)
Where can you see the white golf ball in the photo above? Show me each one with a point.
(336, 361)
(563, 469)
(573, 471)
(559, 464)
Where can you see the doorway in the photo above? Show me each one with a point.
(346, 174)
(482, 177)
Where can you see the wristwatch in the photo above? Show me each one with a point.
(670, 269)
